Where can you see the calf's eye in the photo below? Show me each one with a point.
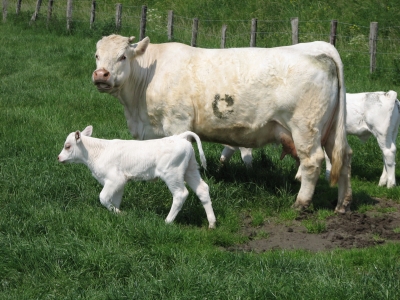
(123, 57)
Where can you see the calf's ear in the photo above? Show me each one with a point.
(88, 131)
(77, 136)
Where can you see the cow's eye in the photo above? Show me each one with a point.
(67, 147)
(123, 57)
(97, 57)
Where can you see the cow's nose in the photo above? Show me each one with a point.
(101, 74)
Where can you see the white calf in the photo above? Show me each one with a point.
(376, 113)
(114, 162)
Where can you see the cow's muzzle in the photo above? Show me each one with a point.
(101, 79)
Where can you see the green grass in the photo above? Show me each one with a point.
(58, 242)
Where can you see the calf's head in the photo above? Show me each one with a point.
(114, 54)
(73, 150)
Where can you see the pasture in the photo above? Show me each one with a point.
(58, 242)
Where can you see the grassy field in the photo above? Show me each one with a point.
(58, 242)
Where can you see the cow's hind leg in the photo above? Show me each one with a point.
(310, 169)
(344, 184)
(193, 179)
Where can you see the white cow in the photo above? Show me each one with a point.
(244, 96)
(115, 162)
(376, 113)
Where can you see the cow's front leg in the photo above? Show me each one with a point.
(111, 195)
(227, 154)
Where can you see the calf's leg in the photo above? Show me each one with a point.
(178, 191)
(193, 179)
(389, 158)
(111, 195)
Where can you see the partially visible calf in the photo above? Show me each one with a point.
(375, 113)
(115, 162)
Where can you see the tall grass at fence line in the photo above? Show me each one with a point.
(57, 241)
(273, 25)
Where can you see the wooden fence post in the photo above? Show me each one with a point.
(92, 13)
(5, 10)
(118, 14)
(195, 28)
(36, 13)
(295, 30)
(332, 38)
(49, 11)
(253, 33)
(18, 7)
(373, 34)
(223, 36)
(170, 25)
(143, 23)
(69, 14)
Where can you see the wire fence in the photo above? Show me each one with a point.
(352, 40)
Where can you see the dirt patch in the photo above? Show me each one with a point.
(377, 226)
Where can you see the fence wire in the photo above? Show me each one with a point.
(352, 40)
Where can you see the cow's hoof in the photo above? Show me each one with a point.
(299, 206)
(390, 185)
(342, 209)
(211, 226)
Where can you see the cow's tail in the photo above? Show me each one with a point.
(341, 146)
(185, 135)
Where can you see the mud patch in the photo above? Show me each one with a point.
(377, 226)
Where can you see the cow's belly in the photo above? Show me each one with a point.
(239, 135)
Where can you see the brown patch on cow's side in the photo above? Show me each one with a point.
(215, 105)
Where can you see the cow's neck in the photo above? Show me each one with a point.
(132, 95)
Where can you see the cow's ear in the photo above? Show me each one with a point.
(87, 131)
(142, 46)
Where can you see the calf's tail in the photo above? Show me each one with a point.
(185, 135)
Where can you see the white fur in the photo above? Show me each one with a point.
(115, 162)
(376, 113)
(237, 96)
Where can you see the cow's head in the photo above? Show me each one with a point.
(114, 54)
(72, 151)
